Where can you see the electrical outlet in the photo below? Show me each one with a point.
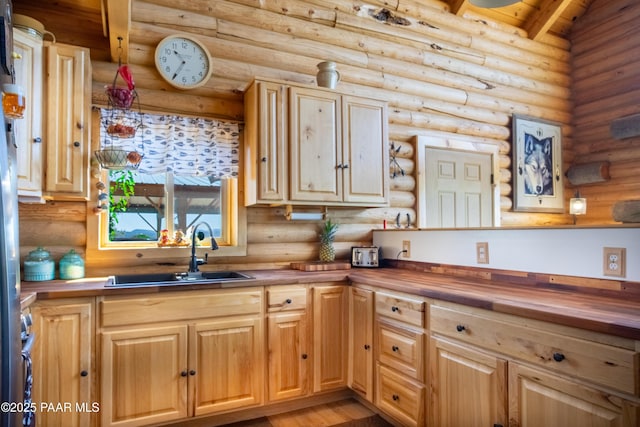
(406, 248)
(614, 262)
(482, 252)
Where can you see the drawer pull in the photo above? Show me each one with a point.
(288, 301)
(558, 357)
(394, 348)
(304, 356)
(395, 397)
(497, 425)
(460, 328)
(395, 309)
(183, 373)
(367, 346)
(84, 373)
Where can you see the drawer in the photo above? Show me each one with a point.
(401, 348)
(401, 308)
(599, 363)
(172, 306)
(400, 397)
(286, 298)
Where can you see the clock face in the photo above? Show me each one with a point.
(183, 62)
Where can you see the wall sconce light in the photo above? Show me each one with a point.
(577, 206)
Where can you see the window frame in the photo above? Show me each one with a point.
(233, 243)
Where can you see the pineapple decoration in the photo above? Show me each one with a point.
(327, 234)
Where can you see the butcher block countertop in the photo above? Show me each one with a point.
(599, 313)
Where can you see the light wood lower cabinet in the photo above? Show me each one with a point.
(401, 359)
(540, 398)
(183, 354)
(63, 362)
(468, 387)
(361, 342)
(288, 342)
(330, 314)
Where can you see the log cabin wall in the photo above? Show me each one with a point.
(442, 74)
(606, 74)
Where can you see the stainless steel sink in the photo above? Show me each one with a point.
(159, 279)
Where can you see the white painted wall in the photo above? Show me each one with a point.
(565, 251)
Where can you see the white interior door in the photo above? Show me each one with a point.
(456, 182)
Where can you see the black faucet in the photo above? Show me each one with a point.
(193, 264)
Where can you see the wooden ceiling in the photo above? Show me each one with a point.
(535, 18)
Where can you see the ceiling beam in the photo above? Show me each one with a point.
(118, 17)
(458, 7)
(549, 11)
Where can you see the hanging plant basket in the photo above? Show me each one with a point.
(117, 159)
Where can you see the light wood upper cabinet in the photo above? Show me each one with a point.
(330, 315)
(317, 165)
(265, 143)
(361, 342)
(63, 360)
(68, 124)
(28, 131)
(314, 146)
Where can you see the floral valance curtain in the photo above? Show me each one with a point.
(180, 145)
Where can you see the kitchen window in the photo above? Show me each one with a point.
(188, 174)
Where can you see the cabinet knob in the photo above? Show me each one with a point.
(304, 356)
(288, 301)
(395, 397)
(37, 140)
(367, 346)
(263, 160)
(497, 425)
(84, 373)
(460, 328)
(183, 373)
(338, 166)
(394, 348)
(192, 372)
(558, 357)
(345, 166)
(395, 309)
(76, 144)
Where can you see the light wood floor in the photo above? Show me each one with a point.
(344, 413)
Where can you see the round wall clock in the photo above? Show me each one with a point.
(183, 61)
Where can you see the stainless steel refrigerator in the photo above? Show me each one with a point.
(11, 366)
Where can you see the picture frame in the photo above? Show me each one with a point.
(538, 184)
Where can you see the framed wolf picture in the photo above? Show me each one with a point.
(537, 159)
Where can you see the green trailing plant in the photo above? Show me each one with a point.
(121, 187)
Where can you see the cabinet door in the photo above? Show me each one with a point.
(63, 360)
(468, 387)
(28, 131)
(68, 112)
(144, 376)
(540, 398)
(265, 143)
(361, 342)
(329, 337)
(288, 357)
(365, 151)
(316, 162)
(225, 365)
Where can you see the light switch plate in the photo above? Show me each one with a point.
(614, 262)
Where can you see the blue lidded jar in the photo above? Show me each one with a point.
(39, 266)
(71, 266)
